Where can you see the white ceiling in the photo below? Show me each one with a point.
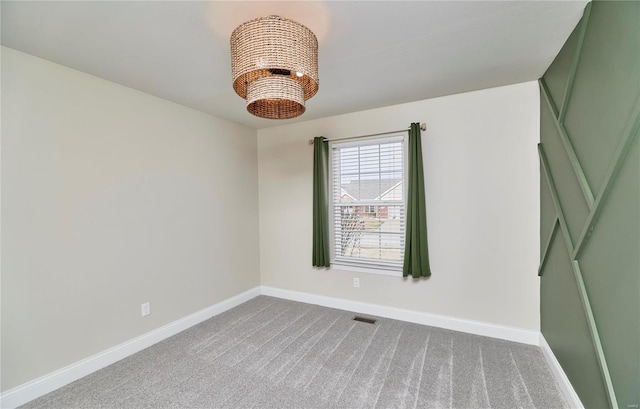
(372, 53)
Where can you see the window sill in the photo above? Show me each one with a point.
(367, 270)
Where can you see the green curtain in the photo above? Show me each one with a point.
(416, 253)
(320, 202)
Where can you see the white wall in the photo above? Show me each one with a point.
(111, 198)
(481, 176)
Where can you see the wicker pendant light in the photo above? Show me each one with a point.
(274, 65)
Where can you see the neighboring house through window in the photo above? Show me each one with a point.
(368, 202)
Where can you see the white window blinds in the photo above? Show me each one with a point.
(368, 190)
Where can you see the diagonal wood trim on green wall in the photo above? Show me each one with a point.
(574, 65)
(544, 90)
(556, 200)
(582, 291)
(631, 132)
(547, 246)
(595, 336)
(591, 302)
(568, 147)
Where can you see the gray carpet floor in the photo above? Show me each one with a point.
(273, 353)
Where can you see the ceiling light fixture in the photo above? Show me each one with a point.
(274, 65)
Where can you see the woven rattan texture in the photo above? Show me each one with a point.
(275, 97)
(265, 44)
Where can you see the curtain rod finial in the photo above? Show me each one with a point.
(423, 126)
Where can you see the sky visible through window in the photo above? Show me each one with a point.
(372, 162)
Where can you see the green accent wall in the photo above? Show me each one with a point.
(590, 205)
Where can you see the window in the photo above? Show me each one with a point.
(368, 202)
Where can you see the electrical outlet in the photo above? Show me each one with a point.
(146, 309)
(356, 282)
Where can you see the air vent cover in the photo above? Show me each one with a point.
(364, 319)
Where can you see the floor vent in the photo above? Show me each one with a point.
(363, 319)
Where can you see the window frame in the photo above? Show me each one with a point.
(356, 265)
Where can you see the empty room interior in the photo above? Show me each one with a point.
(320, 204)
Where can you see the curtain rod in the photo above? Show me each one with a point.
(423, 127)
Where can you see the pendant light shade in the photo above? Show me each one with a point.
(274, 66)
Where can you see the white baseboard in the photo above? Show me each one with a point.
(31, 390)
(563, 382)
(441, 321)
